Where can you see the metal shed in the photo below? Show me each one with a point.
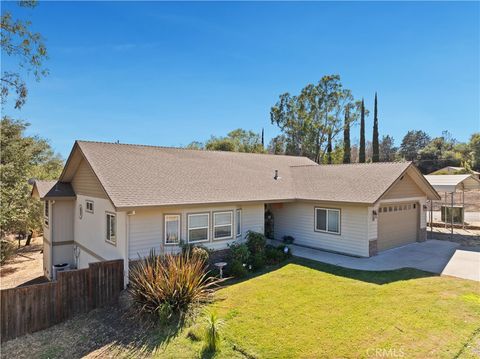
(449, 184)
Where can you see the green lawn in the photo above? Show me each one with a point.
(307, 309)
(303, 309)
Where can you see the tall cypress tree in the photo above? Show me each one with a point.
(361, 154)
(329, 148)
(346, 137)
(375, 143)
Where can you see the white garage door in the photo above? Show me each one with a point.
(397, 225)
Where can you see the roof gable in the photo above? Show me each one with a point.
(404, 187)
(52, 189)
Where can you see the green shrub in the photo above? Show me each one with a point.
(238, 257)
(256, 242)
(170, 284)
(212, 332)
(286, 253)
(236, 269)
(7, 250)
(288, 239)
(257, 260)
(238, 252)
(273, 255)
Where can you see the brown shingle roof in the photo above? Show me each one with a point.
(139, 176)
(54, 189)
(135, 175)
(359, 182)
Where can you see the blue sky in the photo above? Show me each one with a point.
(170, 73)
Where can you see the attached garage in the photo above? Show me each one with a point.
(398, 224)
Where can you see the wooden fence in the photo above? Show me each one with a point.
(39, 306)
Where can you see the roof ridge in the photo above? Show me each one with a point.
(354, 164)
(186, 149)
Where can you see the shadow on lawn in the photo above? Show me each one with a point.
(375, 277)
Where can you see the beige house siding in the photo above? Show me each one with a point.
(63, 212)
(145, 228)
(297, 219)
(85, 182)
(372, 223)
(404, 188)
(62, 231)
(90, 232)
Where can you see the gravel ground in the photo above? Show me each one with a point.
(25, 267)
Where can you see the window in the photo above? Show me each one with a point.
(46, 213)
(239, 222)
(89, 206)
(198, 227)
(327, 220)
(172, 229)
(111, 229)
(223, 225)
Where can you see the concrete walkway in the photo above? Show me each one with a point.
(431, 256)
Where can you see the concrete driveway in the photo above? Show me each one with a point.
(441, 257)
(464, 264)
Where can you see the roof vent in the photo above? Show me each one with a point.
(276, 177)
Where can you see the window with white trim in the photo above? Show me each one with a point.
(89, 206)
(239, 222)
(111, 233)
(172, 228)
(327, 220)
(46, 213)
(198, 227)
(223, 225)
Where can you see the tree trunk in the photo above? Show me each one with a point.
(346, 138)
(361, 153)
(375, 142)
(29, 238)
(329, 148)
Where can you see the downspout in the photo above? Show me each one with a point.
(126, 266)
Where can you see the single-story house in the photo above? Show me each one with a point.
(119, 201)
